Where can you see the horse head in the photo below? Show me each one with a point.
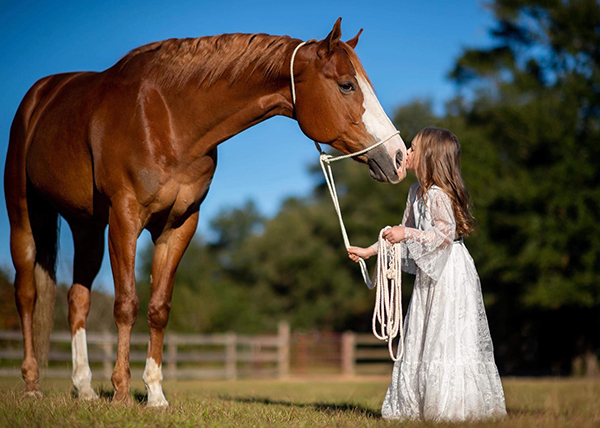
(336, 105)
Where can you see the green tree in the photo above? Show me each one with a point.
(534, 103)
(410, 118)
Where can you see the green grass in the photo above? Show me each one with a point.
(321, 402)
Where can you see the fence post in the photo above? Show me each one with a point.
(301, 353)
(108, 355)
(284, 349)
(172, 355)
(231, 356)
(348, 353)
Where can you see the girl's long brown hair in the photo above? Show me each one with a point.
(438, 162)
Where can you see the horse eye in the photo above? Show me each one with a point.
(346, 87)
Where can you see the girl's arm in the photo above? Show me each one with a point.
(430, 249)
(355, 252)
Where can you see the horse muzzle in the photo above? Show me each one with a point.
(384, 168)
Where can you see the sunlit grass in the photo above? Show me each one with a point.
(321, 402)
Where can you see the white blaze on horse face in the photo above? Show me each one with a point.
(378, 124)
(153, 380)
(82, 375)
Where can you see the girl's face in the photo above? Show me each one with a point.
(411, 156)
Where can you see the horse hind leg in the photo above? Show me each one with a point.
(33, 241)
(23, 255)
(89, 250)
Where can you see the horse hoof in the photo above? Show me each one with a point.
(122, 399)
(37, 394)
(87, 395)
(158, 403)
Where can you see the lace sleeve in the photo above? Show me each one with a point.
(408, 220)
(429, 249)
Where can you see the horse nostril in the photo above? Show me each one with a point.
(399, 157)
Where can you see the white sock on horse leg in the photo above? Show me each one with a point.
(153, 380)
(82, 374)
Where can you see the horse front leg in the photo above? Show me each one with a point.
(169, 249)
(123, 231)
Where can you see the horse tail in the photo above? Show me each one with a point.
(34, 228)
(45, 287)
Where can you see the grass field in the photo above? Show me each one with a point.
(546, 403)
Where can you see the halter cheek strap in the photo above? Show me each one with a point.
(292, 71)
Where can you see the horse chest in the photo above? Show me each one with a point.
(188, 197)
(175, 192)
(175, 202)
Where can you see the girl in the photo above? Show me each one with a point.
(448, 370)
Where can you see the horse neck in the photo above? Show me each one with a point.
(223, 109)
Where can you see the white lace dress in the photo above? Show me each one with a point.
(448, 371)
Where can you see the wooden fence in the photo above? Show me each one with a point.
(224, 356)
(364, 354)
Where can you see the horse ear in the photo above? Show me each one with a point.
(354, 40)
(332, 38)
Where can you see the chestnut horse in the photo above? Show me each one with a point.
(135, 147)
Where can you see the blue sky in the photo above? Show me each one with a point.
(407, 49)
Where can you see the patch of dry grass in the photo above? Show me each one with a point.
(546, 403)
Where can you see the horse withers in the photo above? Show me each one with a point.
(135, 147)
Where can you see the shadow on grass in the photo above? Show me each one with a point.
(105, 393)
(139, 396)
(326, 407)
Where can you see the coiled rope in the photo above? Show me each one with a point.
(388, 296)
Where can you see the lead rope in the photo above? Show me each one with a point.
(388, 295)
(388, 275)
(388, 301)
(336, 204)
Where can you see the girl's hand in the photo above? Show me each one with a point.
(394, 234)
(357, 252)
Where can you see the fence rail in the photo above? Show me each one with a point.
(363, 353)
(225, 356)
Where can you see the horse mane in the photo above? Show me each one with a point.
(174, 62)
